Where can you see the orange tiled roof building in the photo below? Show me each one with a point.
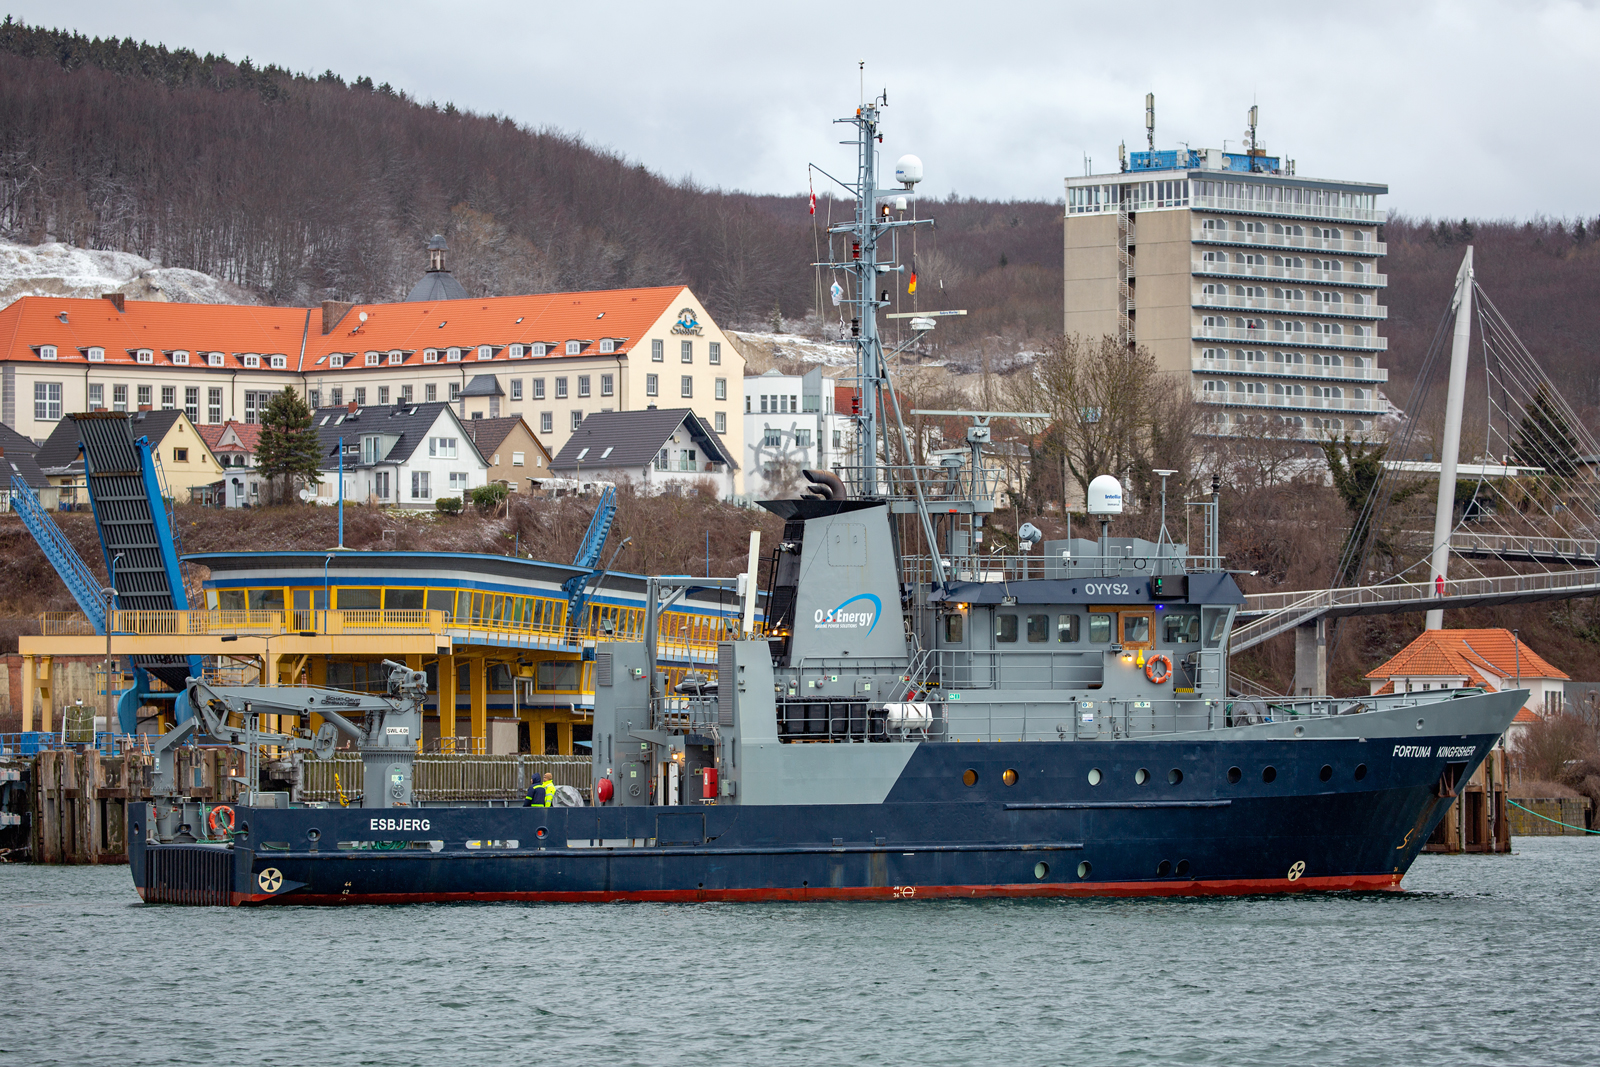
(551, 358)
(1491, 659)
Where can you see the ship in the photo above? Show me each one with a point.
(910, 718)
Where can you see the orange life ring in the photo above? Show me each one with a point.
(212, 820)
(1166, 668)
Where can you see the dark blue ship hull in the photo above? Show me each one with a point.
(1206, 817)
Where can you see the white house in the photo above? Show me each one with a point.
(790, 425)
(404, 455)
(656, 450)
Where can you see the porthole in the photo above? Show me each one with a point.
(1361, 771)
(1183, 867)
(970, 777)
(1141, 776)
(702, 885)
(1084, 869)
(1174, 776)
(1419, 724)
(1009, 777)
(1163, 868)
(1299, 731)
(244, 828)
(1094, 776)
(540, 832)
(1326, 774)
(1041, 869)
(1268, 773)
(1234, 774)
(314, 834)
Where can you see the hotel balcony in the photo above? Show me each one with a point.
(1284, 337)
(1286, 402)
(1271, 369)
(1284, 210)
(1349, 278)
(1239, 238)
(1293, 307)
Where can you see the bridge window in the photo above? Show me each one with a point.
(1005, 628)
(1038, 629)
(1135, 628)
(1100, 628)
(1066, 629)
(1181, 629)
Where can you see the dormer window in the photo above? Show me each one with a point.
(396, 357)
(252, 360)
(485, 352)
(336, 360)
(516, 352)
(180, 358)
(213, 359)
(608, 345)
(97, 355)
(574, 348)
(430, 355)
(372, 359)
(279, 362)
(47, 351)
(144, 355)
(452, 355)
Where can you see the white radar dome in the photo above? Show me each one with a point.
(908, 171)
(1105, 496)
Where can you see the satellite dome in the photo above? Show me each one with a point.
(908, 170)
(1105, 496)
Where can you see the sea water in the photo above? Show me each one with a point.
(1481, 960)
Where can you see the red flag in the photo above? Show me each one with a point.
(813, 201)
(913, 286)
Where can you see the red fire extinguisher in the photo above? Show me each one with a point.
(708, 789)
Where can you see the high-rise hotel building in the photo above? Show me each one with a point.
(1262, 284)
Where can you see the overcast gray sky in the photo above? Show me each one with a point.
(1461, 107)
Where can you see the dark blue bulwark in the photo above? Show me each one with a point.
(1078, 818)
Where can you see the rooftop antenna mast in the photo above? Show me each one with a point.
(1150, 120)
(1250, 138)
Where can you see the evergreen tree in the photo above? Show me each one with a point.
(1545, 438)
(288, 448)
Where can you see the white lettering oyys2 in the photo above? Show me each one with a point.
(399, 824)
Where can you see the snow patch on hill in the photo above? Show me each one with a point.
(63, 270)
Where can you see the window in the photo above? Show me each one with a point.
(802, 438)
(143, 396)
(180, 455)
(458, 483)
(430, 393)
(405, 394)
(452, 355)
(419, 485)
(772, 438)
(721, 419)
(657, 350)
(954, 628)
(119, 398)
(608, 345)
(97, 355)
(370, 448)
(516, 389)
(442, 447)
(383, 394)
(720, 389)
(577, 419)
(1005, 628)
(686, 351)
(1181, 629)
(49, 351)
(686, 386)
(716, 353)
(47, 401)
(538, 388)
(574, 348)
(191, 402)
(583, 385)
(607, 384)
(546, 422)
(517, 458)
(169, 397)
(652, 385)
(1038, 629)
(561, 388)
(661, 460)
(455, 391)
(214, 404)
(371, 359)
(1099, 628)
(97, 397)
(1066, 629)
(361, 396)
(515, 352)
(1135, 629)
(180, 358)
(485, 352)
(144, 355)
(430, 355)
(380, 485)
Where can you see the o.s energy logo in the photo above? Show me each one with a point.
(841, 618)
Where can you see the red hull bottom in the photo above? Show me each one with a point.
(1217, 888)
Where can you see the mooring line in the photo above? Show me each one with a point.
(1547, 818)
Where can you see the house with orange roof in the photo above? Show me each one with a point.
(550, 358)
(234, 445)
(1493, 659)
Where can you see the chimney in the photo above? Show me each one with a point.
(118, 300)
(144, 407)
(352, 407)
(333, 312)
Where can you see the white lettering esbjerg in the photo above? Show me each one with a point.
(398, 824)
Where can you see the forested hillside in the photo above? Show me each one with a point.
(303, 188)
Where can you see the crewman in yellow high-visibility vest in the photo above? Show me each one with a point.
(541, 795)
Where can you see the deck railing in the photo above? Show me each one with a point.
(447, 778)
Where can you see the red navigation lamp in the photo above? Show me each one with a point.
(855, 404)
(855, 249)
